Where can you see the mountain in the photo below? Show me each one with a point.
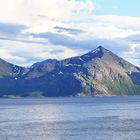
(97, 73)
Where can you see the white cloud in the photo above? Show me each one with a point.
(6, 55)
(43, 15)
(25, 54)
(108, 26)
(32, 12)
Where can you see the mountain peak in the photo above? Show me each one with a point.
(99, 49)
(98, 52)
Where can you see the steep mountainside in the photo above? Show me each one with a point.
(7, 69)
(99, 72)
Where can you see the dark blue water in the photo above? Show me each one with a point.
(99, 118)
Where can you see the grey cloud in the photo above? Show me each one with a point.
(22, 40)
(137, 49)
(69, 30)
(134, 38)
(116, 45)
(56, 51)
(8, 28)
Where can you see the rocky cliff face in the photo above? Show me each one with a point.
(99, 72)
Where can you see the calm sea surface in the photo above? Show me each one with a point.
(96, 118)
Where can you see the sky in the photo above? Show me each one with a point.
(36, 30)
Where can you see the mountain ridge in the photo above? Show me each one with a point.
(96, 73)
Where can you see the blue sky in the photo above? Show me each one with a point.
(118, 7)
(35, 30)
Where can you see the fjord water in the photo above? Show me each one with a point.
(95, 118)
